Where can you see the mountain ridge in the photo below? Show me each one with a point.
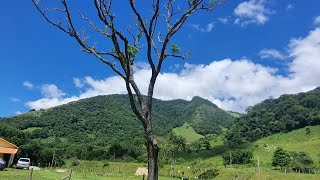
(105, 121)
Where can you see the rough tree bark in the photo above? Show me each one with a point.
(171, 14)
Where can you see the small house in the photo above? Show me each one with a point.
(7, 151)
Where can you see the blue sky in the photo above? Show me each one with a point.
(242, 53)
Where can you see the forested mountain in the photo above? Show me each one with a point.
(105, 122)
(271, 116)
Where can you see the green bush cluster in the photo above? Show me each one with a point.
(237, 156)
(295, 161)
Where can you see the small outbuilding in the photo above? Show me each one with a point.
(7, 151)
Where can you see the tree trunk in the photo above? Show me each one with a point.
(153, 152)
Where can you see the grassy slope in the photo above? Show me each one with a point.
(233, 114)
(31, 129)
(296, 140)
(187, 132)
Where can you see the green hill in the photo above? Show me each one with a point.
(297, 140)
(187, 132)
(287, 113)
(89, 128)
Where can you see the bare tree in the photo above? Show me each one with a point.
(149, 34)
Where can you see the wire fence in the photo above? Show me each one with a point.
(67, 177)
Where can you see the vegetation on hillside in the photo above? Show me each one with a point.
(287, 113)
(187, 132)
(180, 142)
(104, 127)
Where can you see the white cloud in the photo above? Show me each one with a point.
(77, 82)
(51, 91)
(224, 20)
(18, 112)
(27, 84)
(271, 53)
(289, 7)
(316, 20)
(208, 28)
(306, 55)
(14, 99)
(231, 84)
(253, 11)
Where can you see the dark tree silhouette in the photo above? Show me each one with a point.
(150, 34)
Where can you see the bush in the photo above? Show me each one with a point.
(59, 162)
(105, 164)
(281, 158)
(237, 157)
(308, 131)
(75, 162)
(301, 162)
(209, 174)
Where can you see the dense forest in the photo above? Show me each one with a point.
(281, 115)
(104, 127)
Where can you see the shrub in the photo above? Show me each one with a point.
(209, 174)
(281, 158)
(302, 162)
(237, 157)
(106, 163)
(308, 131)
(59, 162)
(75, 162)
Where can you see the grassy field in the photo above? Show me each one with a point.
(187, 132)
(51, 174)
(194, 163)
(117, 171)
(296, 140)
(235, 115)
(86, 170)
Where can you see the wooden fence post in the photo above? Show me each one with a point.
(31, 174)
(70, 174)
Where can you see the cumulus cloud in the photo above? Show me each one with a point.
(231, 84)
(271, 54)
(51, 91)
(77, 82)
(253, 11)
(316, 20)
(306, 55)
(208, 28)
(27, 84)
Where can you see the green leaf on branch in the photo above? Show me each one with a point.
(132, 51)
(175, 49)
